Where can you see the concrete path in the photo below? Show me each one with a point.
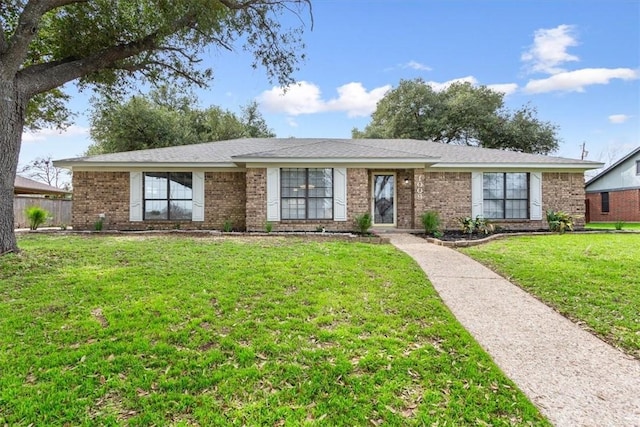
(573, 377)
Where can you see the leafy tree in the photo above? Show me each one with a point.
(107, 45)
(166, 118)
(461, 114)
(255, 125)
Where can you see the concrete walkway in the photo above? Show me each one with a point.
(573, 377)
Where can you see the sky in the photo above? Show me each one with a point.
(576, 61)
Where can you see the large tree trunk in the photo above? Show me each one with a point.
(12, 109)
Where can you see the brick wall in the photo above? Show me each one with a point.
(449, 194)
(241, 198)
(624, 205)
(563, 192)
(108, 192)
(256, 196)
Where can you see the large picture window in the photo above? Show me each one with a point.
(506, 195)
(306, 193)
(168, 195)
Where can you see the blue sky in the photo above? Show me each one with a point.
(577, 62)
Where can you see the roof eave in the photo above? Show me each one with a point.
(517, 165)
(137, 165)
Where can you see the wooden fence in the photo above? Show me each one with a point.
(59, 210)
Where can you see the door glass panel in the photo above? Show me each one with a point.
(383, 193)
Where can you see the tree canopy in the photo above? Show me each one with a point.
(165, 118)
(109, 44)
(461, 114)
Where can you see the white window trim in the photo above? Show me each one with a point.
(535, 197)
(273, 194)
(136, 198)
(340, 194)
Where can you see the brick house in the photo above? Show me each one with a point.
(614, 194)
(302, 184)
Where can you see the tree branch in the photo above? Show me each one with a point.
(17, 47)
(43, 77)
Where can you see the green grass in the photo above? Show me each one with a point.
(111, 330)
(612, 226)
(591, 278)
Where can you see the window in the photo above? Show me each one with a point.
(505, 195)
(604, 199)
(637, 167)
(168, 195)
(306, 193)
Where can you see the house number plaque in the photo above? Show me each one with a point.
(420, 186)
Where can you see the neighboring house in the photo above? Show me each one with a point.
(304, 184)
(614, 194)
(23, 185)
(28, 192)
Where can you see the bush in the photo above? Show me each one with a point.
(559, 221)
(618, 225)
(478, 225)
(431, 222)
(37, 216)
(227, 227)
(268, 227)
(363, 223)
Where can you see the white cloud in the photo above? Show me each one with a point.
(618, 118)
(438, 87)
(45, 134)
(306, 98)
(292, 122)
(549, 49)
(506, 88)
(415, 65)
(575, 81)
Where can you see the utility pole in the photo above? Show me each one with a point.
(584, 153)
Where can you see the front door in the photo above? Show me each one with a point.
(384, 194)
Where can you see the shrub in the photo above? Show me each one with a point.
(268, 227)
(467, 224)
(363, 223)
(483, 225)
(478, 225)
(98, 225)
(618, 225)
(431, 222)
(559, 221)
(227, 227)
(37, 216)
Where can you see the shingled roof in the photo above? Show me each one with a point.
(238, 152)
(24, 185)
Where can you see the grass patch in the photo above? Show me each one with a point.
(192, 331)
(612, 226)
(589, 278)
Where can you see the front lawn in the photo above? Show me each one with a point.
(591, 278)
(258, 331)
(612, 226)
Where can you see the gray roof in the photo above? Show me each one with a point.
(238, 151)
(24, 185)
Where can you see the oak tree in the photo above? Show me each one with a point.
(460, 114)
(108, 44)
